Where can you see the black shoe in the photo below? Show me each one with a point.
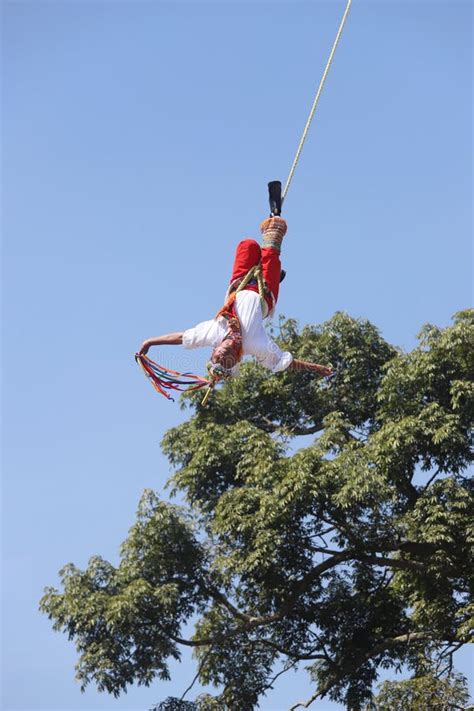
(274, 196)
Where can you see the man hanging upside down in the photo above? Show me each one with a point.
(238, 329)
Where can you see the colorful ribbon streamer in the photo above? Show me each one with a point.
(164, 379)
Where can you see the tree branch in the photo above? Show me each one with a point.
(250, 622)
(298, 657)
(430, 480)
(348, 668)
(399, 563)
(286, 668)
(305, 704)
(222, 600)
(267, 425)
(201, 664)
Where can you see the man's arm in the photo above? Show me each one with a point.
(304, 365)
(170, 339)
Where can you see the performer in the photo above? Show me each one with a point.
(238, 328)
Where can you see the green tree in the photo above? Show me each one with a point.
(428, 692)
(350, 554)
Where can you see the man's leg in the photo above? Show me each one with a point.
(271, 269)
(273, 231)
(247, 255)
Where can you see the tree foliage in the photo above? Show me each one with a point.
(349, 554)
(428, 691)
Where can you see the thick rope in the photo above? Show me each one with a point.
(316, 100)
(253, 273)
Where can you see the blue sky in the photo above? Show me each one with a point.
(138, 138)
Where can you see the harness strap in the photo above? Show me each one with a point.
(254, 273)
